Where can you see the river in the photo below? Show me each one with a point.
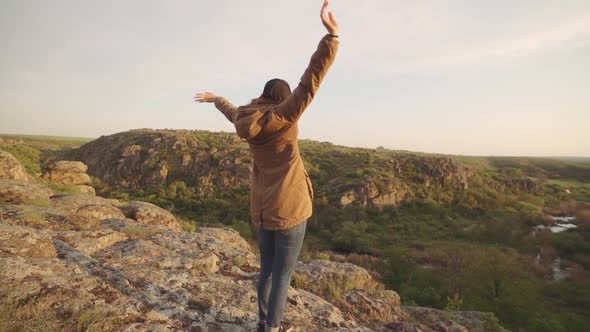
(560, 224)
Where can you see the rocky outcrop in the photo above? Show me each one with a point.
(88, 216)
(21, 191)
(152, 215)
(352, 289)
(522, 185)
(87, 190)
(16, 186)
(161, 280)
(506, 184)
(316, 271)
(86, 264)
(66, 167)
(11, 168)
(370, 192)
(429, 171)
(433, 320)
(145, 158)
(441, 172)
(69, 173)
(72, 203)
(209, 163)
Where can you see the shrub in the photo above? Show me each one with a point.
(187, 225)
(90, 320)
(454, 303)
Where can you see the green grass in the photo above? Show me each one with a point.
(29, 157)
(31, 150)
(63, 189)
(545, 167)
(139, 231)
(94, 319)
(578, 190)
(29, 316)
(39, 202)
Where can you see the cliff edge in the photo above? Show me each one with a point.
(79, 262)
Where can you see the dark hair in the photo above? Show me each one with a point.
(275, 91)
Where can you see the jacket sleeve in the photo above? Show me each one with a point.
(227, 108)
(292, 107)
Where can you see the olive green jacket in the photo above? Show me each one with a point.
(281, 191)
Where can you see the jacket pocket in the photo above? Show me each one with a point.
(309, 185)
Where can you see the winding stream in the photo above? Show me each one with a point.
(560, 224)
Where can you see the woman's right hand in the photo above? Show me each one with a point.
(328, 20)
(205, 97)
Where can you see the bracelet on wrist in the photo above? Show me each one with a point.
(332, 35)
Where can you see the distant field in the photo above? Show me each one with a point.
(44, 138)
(584, 160)
(30, 150)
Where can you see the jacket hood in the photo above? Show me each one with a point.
(249, 120)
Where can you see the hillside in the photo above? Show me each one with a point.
(79, 262)
(449, 232)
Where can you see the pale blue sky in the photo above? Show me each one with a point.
(461, 77)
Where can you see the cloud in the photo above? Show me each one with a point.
(570, 34)
(394, 37)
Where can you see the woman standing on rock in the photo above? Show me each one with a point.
(281, 191)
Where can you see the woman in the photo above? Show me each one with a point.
(281, 191)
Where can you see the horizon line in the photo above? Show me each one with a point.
(310, 139)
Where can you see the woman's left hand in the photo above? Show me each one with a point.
(205, 97)
(328, 19)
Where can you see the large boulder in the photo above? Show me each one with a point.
(88, 190)
(11, 168)
(71, 203)
(320, 271)
(91, 215)
(351, 288)
(378, 305)
(152, 215)
(67, 166)
(426, 320)
(21, 191)
(71, 173)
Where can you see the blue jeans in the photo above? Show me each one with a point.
(278, 254)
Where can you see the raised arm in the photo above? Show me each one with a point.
(222, 104)
(292, 108)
